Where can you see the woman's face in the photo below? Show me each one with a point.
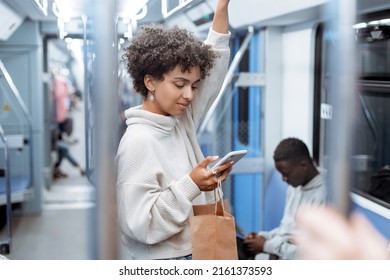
(174, 93)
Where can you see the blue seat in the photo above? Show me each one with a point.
(18, 183)
(275, 199)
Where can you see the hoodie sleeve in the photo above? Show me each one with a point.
(280, 245)
(147, 212)
(211, 85)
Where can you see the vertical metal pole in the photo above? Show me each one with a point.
(343, 97)
(84, 19)
(105, 132)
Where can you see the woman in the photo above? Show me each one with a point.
(161, 169)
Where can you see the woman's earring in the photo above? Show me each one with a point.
(151, 96)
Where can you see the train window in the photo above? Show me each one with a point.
(373, 37)
(375, 59)
(370, 152)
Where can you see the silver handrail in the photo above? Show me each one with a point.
(84, 19)
(7, 190)
(105, 229)
(25, 111)
(228, 79)
(344, 100)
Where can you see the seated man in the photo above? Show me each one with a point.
(306, 187)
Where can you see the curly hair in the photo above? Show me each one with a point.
(292, 149)
(157, 50)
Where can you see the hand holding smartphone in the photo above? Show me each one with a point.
(231, 156)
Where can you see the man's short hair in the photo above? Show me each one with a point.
(291, 149)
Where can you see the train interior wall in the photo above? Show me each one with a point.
(22, 56)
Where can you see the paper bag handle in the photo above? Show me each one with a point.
(220, 196)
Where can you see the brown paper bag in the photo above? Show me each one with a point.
(213, 232)
(209, 209)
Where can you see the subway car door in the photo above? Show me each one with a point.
(247, 119)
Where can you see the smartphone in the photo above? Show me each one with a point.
(232, 156)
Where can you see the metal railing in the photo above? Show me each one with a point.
(4, 74)
(227, 81)
(5, 244)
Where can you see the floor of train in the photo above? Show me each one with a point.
(61, 231)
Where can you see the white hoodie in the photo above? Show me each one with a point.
(278, 239)
(154, 159)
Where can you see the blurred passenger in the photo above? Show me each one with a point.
(63, 101)
(75, 99)
(63, 152)
(306, 187)
(326, 234)
(61, 96)
(161, 169)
